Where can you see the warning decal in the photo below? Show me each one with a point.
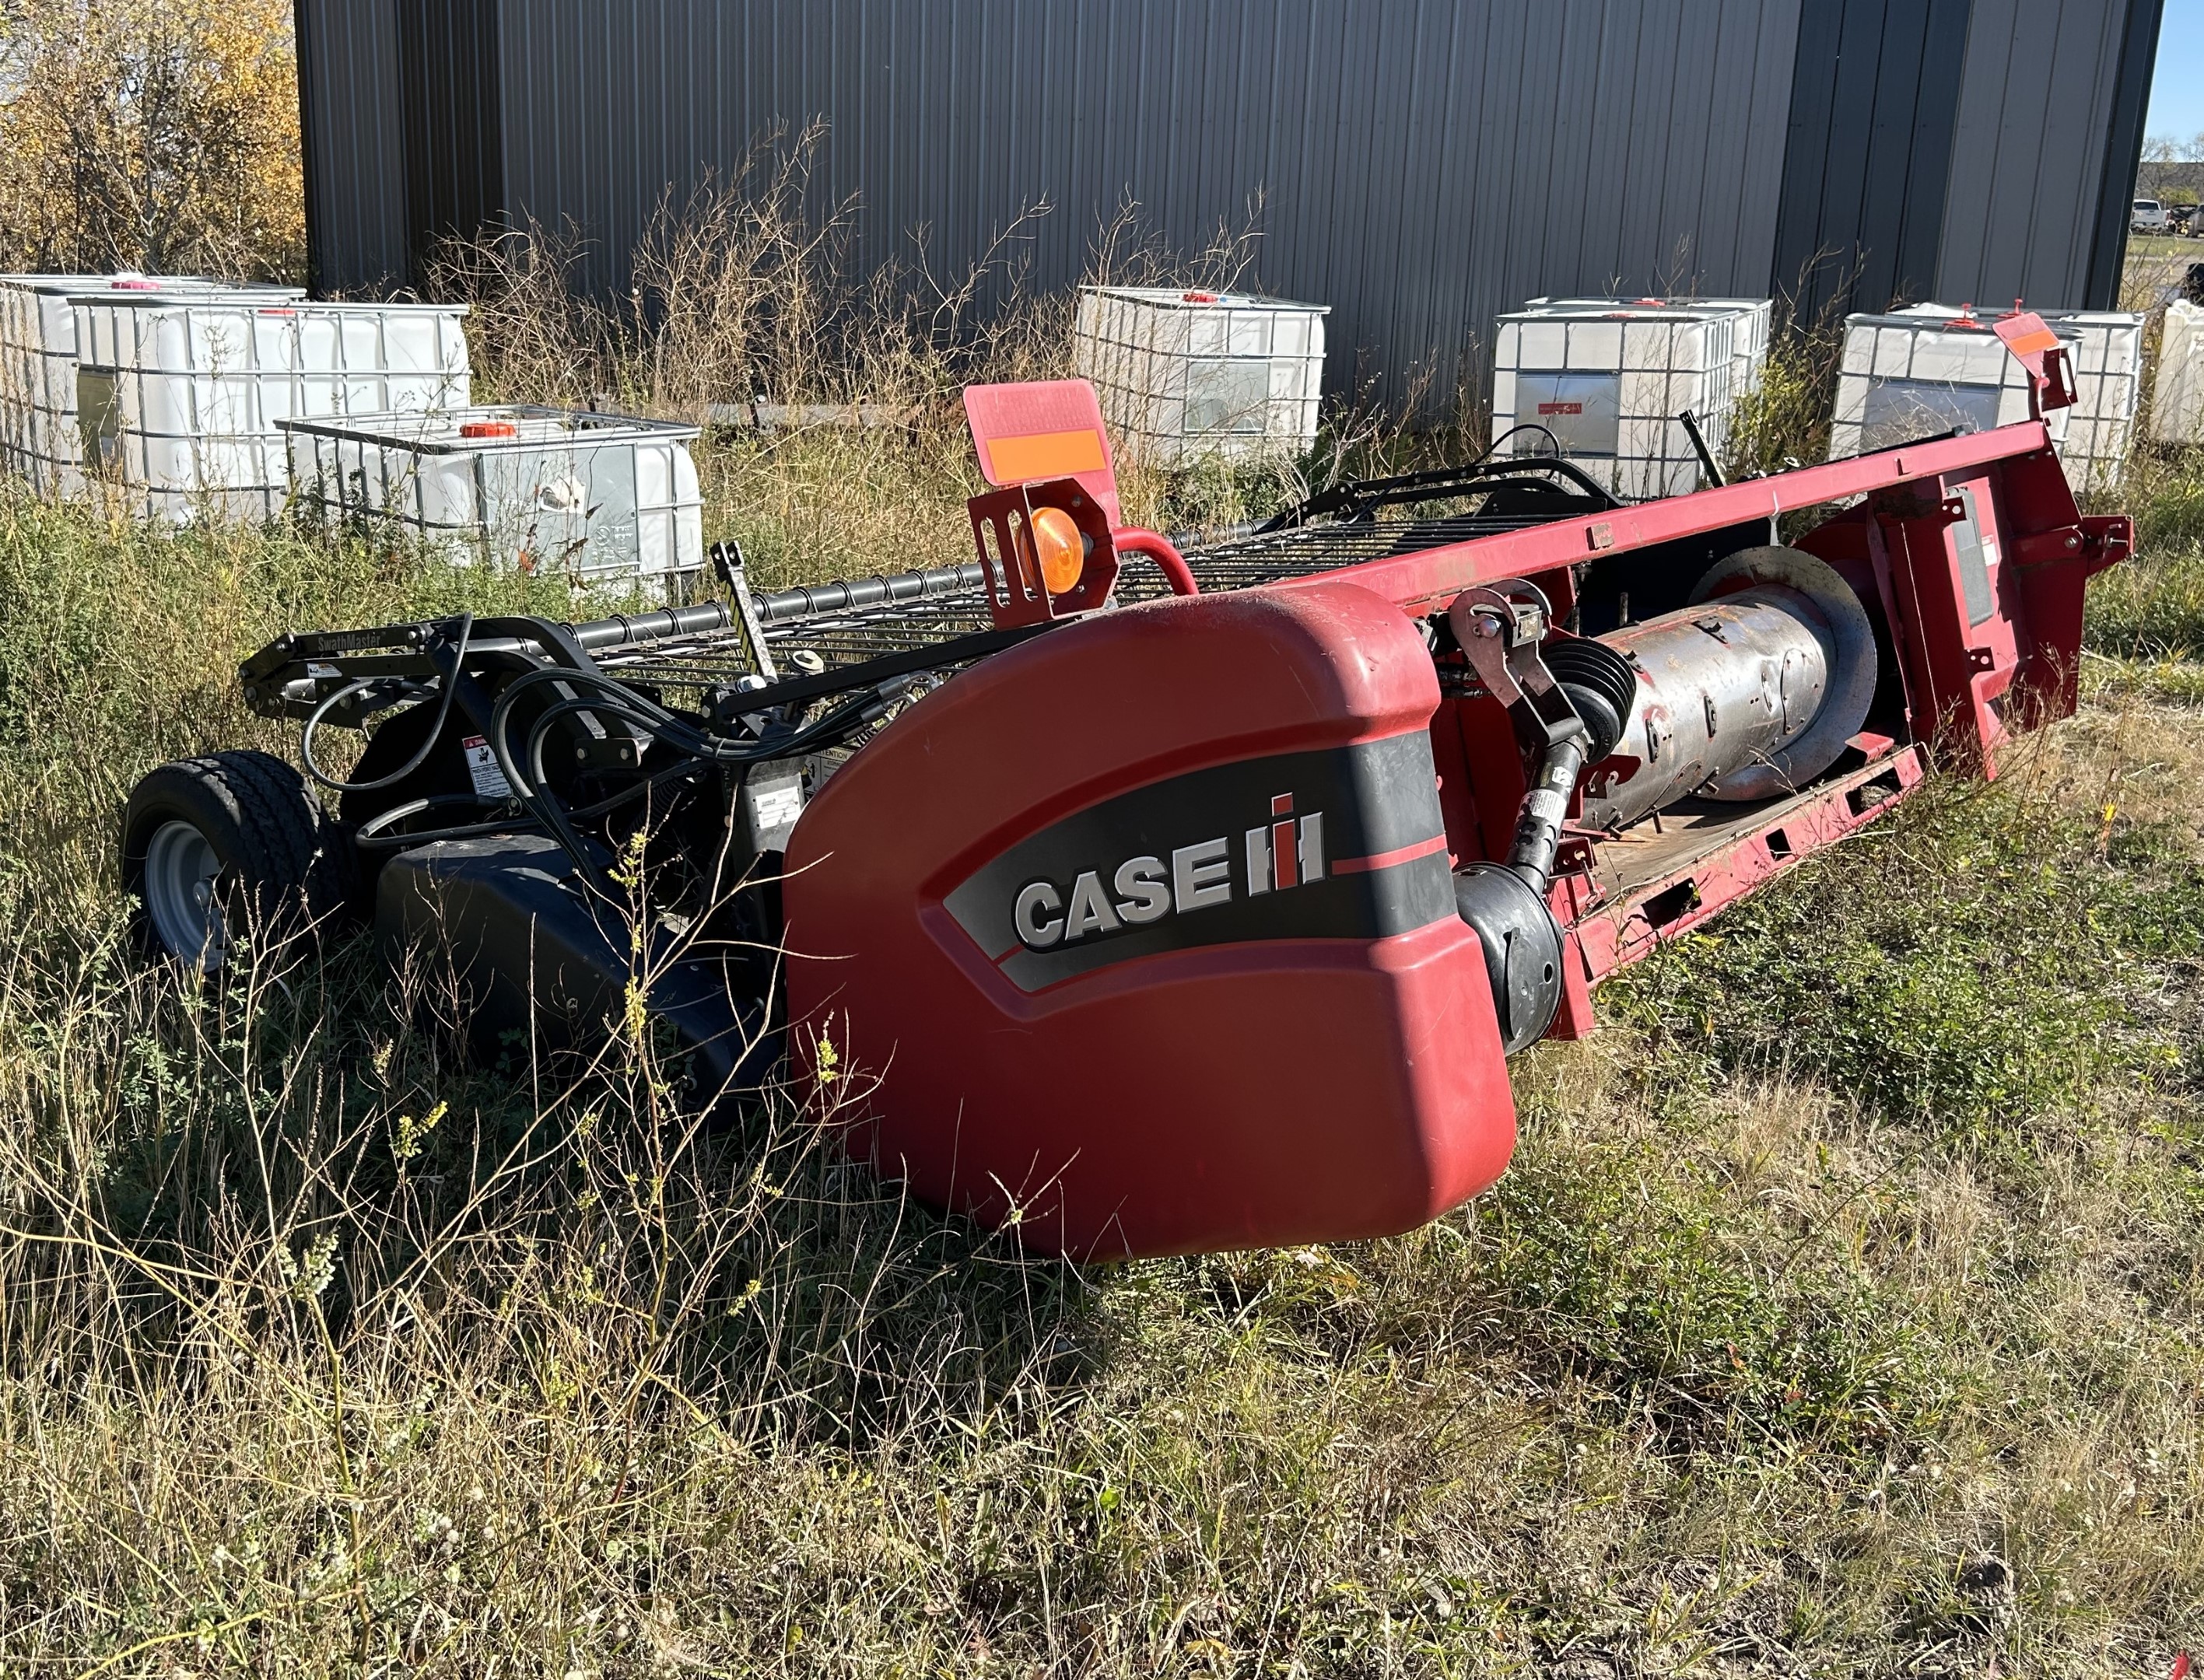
(482, 770)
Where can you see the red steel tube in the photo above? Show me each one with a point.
(1134, 540)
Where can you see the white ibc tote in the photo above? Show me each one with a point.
(2106, 347)
(2108, 389)
(179, 398)
(1184, 375)
(2176, 398)
(1752, 325)
(1607, 386)
(601, 499)
(39, 430)
(1921, 374)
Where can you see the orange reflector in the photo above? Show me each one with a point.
(1020, 460)
(2044, 340)
(489, 429)
(1058, 547)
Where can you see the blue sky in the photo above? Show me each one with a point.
(2177, 84)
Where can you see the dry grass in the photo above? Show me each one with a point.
(742, 295)
(326, 1355)
(1841, 1314)
(1784, 421)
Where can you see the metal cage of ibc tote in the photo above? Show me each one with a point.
(607, 499)
(181, 398)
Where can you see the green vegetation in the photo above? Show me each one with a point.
(1840, 1313)
(2163, 245)
(2152, 608)
(1887, 997)
(1784, 420)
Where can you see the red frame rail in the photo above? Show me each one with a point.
(1968, 676)
(1975, 655)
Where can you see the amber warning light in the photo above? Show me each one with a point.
(1059, 549)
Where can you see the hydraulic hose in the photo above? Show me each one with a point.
(523, 772)
(427, 743)
(1506, 904)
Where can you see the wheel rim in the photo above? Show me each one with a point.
(180, 868)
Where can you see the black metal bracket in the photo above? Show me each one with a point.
(1690, 422)
(727, 561)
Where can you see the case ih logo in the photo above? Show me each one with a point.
(1356, 851)
(1285, 852)
(1560, 408)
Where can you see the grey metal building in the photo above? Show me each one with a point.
(1422, 164)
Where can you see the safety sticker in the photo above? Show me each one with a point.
(482, 766)
(779, 806)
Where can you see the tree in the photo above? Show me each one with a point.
(152, 135)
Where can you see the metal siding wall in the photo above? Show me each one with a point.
(1898, 101)
(1874, 100)
(2108, 240)
(355, 156)
(1423, 165)
(1934, 129)
(2027, 161)
(448, 77)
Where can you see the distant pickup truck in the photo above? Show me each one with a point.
(2148, 216)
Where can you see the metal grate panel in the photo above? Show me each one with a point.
(848, 636)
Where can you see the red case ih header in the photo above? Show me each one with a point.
(1175, 902)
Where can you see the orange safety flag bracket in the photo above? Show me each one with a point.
(1041, 429)
(2037, 348)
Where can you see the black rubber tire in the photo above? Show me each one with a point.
(286, 868)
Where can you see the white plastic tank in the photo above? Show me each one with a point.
(2108, 388)
(1752, 325)
(603, 500)
(1606, 385)
(179, 398)
(2177, 397)
(1182, 375)
(39, 435)
(2106, 348)
(1927, 372)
